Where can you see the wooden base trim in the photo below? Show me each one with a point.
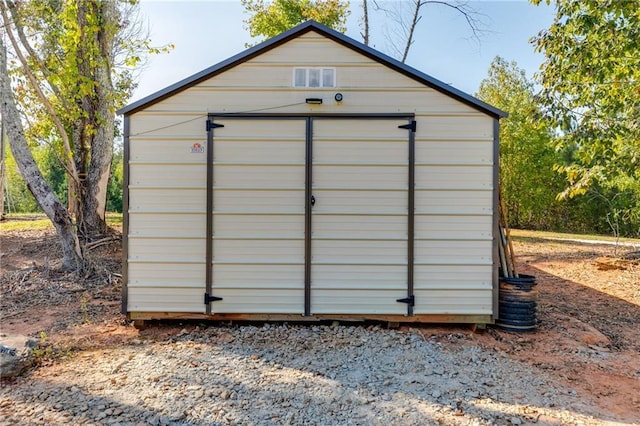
(422, 318)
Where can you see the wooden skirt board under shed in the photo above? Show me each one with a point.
(310, 215)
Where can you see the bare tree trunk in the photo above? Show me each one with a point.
(2, 169)
(53, 208)
(365, 22)
(412, 30)
(406, 21)
(95, 132)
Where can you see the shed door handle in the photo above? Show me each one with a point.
(313, 200)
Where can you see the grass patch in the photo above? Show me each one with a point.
(25, 222)
(114, 219)
(38, 221)
(523, 233)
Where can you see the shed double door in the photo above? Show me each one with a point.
(309, 215)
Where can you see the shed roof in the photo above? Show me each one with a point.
(331, 34)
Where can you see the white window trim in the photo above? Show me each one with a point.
(306, 81)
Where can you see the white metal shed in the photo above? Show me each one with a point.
(311, 177)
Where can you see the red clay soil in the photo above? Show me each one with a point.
(589, 332)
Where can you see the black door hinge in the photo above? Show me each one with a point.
(211, 125)
(410, 126)
(208, 299)
(411, 300)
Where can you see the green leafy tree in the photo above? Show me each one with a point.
(269, 19)
(73, 72)
(67, 78)
(528, 183)
(17, 198)
(591, 88)
(114, 190)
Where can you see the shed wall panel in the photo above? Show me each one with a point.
(259, 300)
(168, 175)
(275, 176)
(454, 301)
(344, 226)
(349, 301)
(448, 277)
(160, 224)
(269, 200)
(166, 274)
(457, 252)
(363, 100)
(167, 249)
(261, 275)
(167, 200)
(469, 202)
(256, 249)
(170, 124)
(270, 225)
(167, 151)
(166, 299)
(454, 152)
(452, 227)
(446, 177)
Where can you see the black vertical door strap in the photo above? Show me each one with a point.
(308, 205)
(208, 297)
(410, 299)
(410, 215)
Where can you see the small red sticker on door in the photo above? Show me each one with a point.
(197, 148)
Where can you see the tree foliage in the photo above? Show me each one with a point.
(72, 71)
(269, 19)
(528, 183)
(591, 88)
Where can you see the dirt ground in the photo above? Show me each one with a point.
(588, 311)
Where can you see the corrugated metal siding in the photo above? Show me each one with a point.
(361, 185)
(255, 201)
(167, 194)
(258, 224)
(454, 214)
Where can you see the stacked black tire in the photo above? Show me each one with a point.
(518, 304)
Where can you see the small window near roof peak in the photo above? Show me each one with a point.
(314, 77)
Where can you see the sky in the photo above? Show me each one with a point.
(206, 32)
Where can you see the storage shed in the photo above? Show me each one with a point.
(311, 177)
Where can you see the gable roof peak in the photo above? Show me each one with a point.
(330, 33)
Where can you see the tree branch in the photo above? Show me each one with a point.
(32, 53)
(407, 22)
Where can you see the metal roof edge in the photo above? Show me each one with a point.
(332, 34)
(217, 68)
(411, 72)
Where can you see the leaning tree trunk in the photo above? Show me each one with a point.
(95, 131)
(42, 192)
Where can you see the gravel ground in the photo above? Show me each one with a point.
(288, 374)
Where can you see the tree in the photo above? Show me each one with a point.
(270, 19)
(591, 88)
(75, 62)
(70, 73)
(528, 183)
(54, 209)
(406, 15)
(68, 81)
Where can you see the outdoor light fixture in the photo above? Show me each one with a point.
(314, 101)
(338, 97)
